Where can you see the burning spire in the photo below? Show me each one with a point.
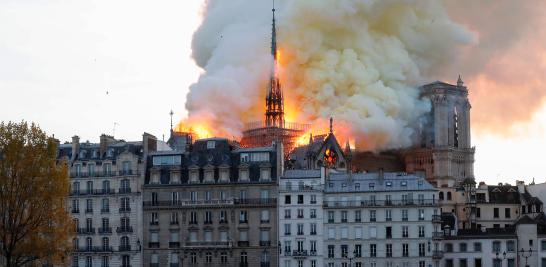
(274, 114)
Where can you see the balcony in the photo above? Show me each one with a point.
(314, 253)
(125, 209)
(88, 210)
(264, 221)
(75, 210)
(265, 264)
(124, 229)
(81, 174)
(105, 210)
(223, 221)
(380, 203)
(265, 243)
(436, 219)
(299, 253)
(207, 244)
(207, 222)
(437, 254)
(188, 203)
(243, 244)
(95, 249)
(243, 264)
(174, 244)
(86, 231)
(125, 248)
(105, 230)
(255, 201)
(437, 235)
(153, 244)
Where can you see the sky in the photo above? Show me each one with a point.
(118, 67)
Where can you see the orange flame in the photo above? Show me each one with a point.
(199, 131)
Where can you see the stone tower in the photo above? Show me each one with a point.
(445, 153)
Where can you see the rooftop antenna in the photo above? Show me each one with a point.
(114, 129)
(171, 113)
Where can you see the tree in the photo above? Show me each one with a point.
(35, 227)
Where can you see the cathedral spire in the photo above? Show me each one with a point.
(274, 114)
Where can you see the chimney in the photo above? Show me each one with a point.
(149, 143)
(381, 174)
(75, 146)
(105, 141)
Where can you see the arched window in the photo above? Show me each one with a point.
(448, 195)
(441, 196)
(105, 244)
(455, 127)
(124, 241)
(89, 243)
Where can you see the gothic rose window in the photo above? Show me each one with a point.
(330, 158)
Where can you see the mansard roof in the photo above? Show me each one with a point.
(503, 194)
(376, 182)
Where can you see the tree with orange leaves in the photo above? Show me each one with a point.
(34, 223)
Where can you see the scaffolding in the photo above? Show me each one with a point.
(258, 134)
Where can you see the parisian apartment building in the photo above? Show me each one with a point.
(105, 201)
(211, 203)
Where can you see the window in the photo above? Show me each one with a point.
(404, 215)
(510, 246)
(358, 251)
(448, 195)
(421, 214)
(331, 216)
(313, 246)
(344, 251)
(208, 257)
(477, 247)
(388, 215)
(208, 217)
(543, 246)
(405, 231)
(88, 261)
(125, 206)
(344, 232)
(388, 232)
(287, 246)
(496, 212)
(313, 230)
(405, 250)
(287, 229)
(388, 250)
(223, 257)
(358, 216)
(105, 205)
(478, 212)
(331, 251)
(154, 219)
(462, 247)
(300, 228)
(343, 216)
(300, 199)
(506, 212)
(463, 263)
(358, 232)
(174, 218)
(243, 235)
(313, 213)
(243, 216)
(287, 214)
(223, 216)
(264, 216)
(300, 213)
(373, 250)
(88, 205)
(448, 247)
(421, 231)
(313, 199)
(193, 258)
(372, 215)
(287, 199)
(496, 246)
(421, 249)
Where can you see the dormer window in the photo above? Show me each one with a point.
(403, 183)
(265, 174)
(82, 154)
(243, 175)
(110, 152)
(371, 186)
(211, 144)
(95, 154)
(388, 183)
(224, 175)
(244, 157)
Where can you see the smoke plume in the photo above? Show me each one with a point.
(358, 61)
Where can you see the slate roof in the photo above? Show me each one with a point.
(389, 182)
(301, 174)
(503, 194)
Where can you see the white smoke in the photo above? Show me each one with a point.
(355, 60)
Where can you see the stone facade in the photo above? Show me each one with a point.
(214, 204)
(301, 218)
(105, 201)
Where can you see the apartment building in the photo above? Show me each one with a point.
(213, 204)
(105, 201)
(301, 218)
(379, 219)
